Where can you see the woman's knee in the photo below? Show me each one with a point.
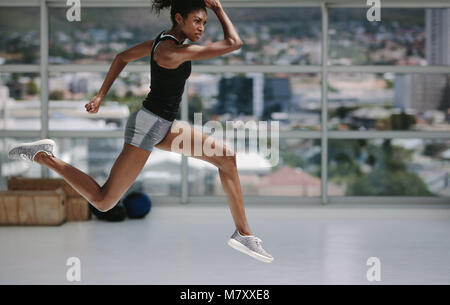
(104, 203)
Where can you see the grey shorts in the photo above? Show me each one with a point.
(145, 129)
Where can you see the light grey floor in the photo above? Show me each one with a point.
(187, 245)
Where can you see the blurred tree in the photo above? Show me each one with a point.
(342, 156)
(332, 89)
(387, 182)
(31, 88)
(401, 121)
(129, 94)
(434, 149)
(343, 111)
(389, 84)
(291, 159)
(56, 95)
(389, 175)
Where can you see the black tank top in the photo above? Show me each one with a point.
(166, 85)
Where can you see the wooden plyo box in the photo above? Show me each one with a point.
(16, 183)
(77, 207)
(32, 207)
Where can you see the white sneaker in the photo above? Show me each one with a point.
(27, 151)
(250, 245)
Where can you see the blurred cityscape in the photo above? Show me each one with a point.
(356, 101)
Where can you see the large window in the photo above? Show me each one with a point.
(368, 117)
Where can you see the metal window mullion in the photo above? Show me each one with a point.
(292, 134)
(184, 159)
(8, 68)
(394, 134)
(392, 69)
(254, 4)
(293, 69)
(394, 4)
(256, 68)
(226, 4)
(44, 76)
(324, 104)
(137, 68)
(16, 3)
(332, 200)
(332, 134)
(236, 4)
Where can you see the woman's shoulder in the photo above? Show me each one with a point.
(168, 49)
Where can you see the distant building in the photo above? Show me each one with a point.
(258, 93)
(254, 95)
(277, 96)
(235, 96)
(368, 117)
(426, 91)
(437, 22)
(420, 92)
(79, 86)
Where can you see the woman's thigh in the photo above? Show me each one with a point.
(189, 141)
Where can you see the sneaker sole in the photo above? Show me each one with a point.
(40, 142)
(240, 247)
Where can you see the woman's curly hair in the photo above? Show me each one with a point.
(183, 7)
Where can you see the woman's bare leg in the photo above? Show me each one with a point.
(227, 172)
(231, 184)
(123, 173)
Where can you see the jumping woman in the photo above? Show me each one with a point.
(154, 124)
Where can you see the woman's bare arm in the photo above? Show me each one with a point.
(138, 51)
(120, 61)
(229, 30)
(177, 54)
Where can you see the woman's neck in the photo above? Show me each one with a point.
(177, 34)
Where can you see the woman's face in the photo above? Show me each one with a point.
(193, 25)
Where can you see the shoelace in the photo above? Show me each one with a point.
(258, 241)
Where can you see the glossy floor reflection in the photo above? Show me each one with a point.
(187, 245)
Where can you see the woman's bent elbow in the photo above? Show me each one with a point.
(239, 44)
(121, 58)
(235, 44)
